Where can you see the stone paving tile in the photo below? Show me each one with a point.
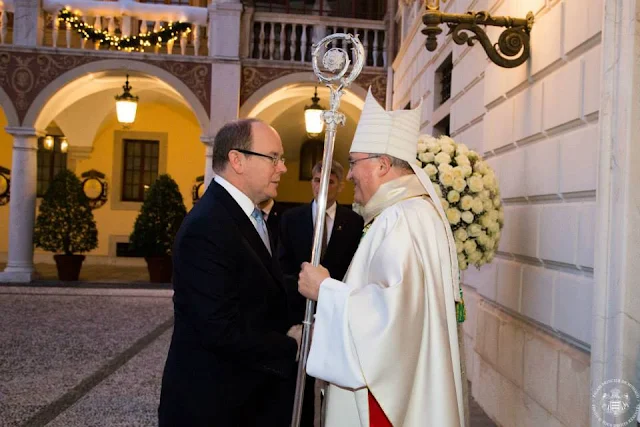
(54, 339)
(129, 397)
(49, 343)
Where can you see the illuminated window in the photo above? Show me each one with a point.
(140, 168)
(50, 162)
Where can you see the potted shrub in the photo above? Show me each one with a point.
(156, 226)
(65, 224)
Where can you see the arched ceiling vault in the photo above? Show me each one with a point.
(81, 107)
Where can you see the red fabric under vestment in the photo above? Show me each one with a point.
(377, 418)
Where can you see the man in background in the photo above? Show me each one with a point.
(343, 229)
(272, 211)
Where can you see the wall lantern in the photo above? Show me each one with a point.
(313, 116)
(513, 40)
(48, 142)
(126, 105)
(64, 145)
(5, 185)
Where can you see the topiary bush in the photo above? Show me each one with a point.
(159, 220)
(65, 222)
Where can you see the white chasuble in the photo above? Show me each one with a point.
(390, 327)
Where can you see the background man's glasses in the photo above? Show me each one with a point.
(274, 159)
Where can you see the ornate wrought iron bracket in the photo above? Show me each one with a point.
(512, 49)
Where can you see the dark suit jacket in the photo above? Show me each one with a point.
(273, 224)
(296, 239)
(230, 362)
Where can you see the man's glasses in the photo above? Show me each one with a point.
(353, 162)
(274, 159)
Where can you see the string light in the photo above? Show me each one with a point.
(129, 44)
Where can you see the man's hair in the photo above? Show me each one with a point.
(336, 169)
(403, 165)
(235, 134)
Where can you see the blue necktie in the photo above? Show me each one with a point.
(262, 228)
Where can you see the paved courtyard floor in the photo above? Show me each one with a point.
(94, 273)
(88, 354)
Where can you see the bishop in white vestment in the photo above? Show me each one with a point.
(385, 338)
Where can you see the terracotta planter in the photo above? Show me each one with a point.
(68, 266)
(160, 268)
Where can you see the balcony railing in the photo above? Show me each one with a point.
(277, 37)
(122, 19)
(265, 36)
(6, 23)
(353, 9)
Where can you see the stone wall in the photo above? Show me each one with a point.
(529, 331)
(521, 375)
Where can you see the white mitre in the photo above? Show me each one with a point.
(396, 133)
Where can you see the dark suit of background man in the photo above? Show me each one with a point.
(232, 356)
(272, 210)
(343, 232)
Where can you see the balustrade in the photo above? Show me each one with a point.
(277, 37)
(6, 22)
(271, 36)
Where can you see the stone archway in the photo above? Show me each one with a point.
(281, 104)
(31, 78)
(66, 88)
(9, 109)
(253, 102)
(43, 85)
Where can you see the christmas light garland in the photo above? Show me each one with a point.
(139, 42)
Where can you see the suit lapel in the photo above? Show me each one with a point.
(246, 228)
(336, 231)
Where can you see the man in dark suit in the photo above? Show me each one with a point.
(343, 230)
(232, 356)
(272, 211)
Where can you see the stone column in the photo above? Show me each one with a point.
(28, 23)
(22, 207)
(224, 29)
(246, 32)
(224, 43)
(616, 315)
(208, 171)
(75, 155)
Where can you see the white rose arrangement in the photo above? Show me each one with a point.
(469, 193)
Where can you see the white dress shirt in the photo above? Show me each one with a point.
(242, 199)
(329, 218)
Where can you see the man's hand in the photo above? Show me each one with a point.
(310, 279)
(295, 332)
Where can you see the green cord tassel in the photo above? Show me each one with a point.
(461, 312)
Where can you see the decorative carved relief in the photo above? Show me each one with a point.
(378, 83)
(23, 75)
(253, 78)
(196, 76)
